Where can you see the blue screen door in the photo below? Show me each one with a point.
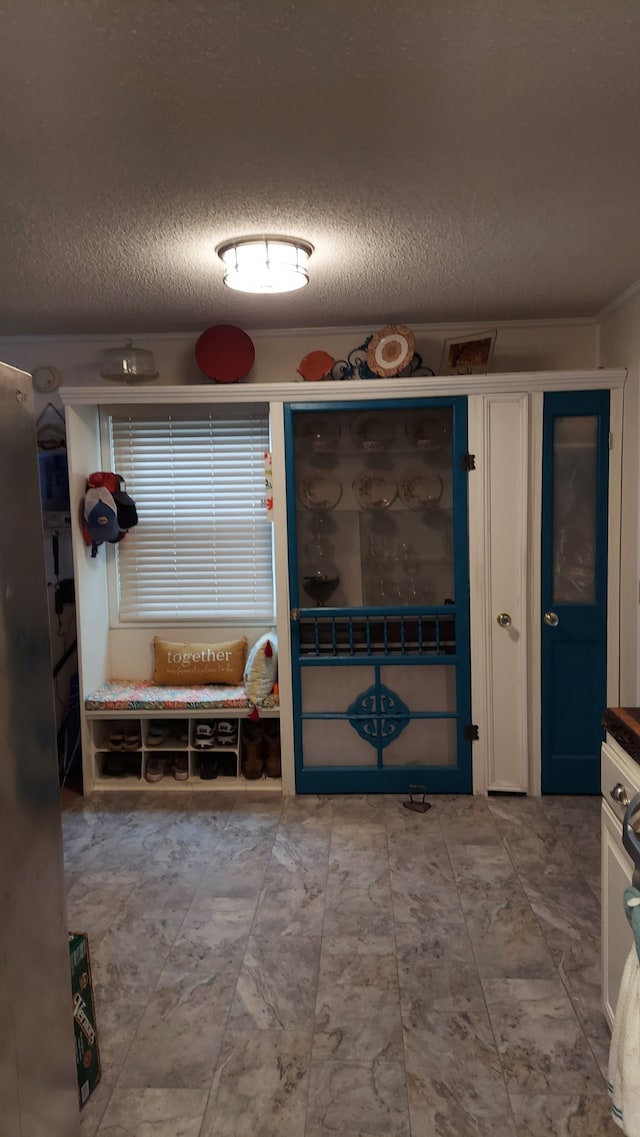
(378, 555)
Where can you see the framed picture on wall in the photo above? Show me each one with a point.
(468, 355)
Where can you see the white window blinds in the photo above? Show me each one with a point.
(202, 548)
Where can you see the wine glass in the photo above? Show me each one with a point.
(320, 578)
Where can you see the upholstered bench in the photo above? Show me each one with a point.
(144, 696)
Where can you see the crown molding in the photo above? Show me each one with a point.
(347, 391)
(618, 301)
(458, 327)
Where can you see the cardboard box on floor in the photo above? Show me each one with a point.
(84, 1016)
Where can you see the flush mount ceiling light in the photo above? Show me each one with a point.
(265, 264)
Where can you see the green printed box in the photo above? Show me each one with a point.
(84, 1016)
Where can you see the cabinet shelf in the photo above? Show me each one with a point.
(118, 768)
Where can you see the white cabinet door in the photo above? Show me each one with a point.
(498, 544)
(617, 938)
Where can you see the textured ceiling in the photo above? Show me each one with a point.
(455, 161)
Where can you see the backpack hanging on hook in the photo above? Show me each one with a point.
(109, 511)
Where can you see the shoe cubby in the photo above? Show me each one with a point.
(166, 734)
(177, 752)
(119, 766)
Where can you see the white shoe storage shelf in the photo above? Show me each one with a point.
(126, 748)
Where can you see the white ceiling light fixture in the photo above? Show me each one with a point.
(265, 264)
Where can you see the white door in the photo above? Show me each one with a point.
(498, 547)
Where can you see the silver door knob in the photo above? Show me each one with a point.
(504, 619)
(619, 794)
(551, 619)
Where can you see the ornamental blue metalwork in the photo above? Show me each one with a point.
(378, 715)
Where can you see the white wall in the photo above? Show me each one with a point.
(519, 347)
(526, 346)
(620, 347)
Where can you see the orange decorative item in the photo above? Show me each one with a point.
(391, 350)
(315, 366)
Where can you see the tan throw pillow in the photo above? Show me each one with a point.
(186, 665)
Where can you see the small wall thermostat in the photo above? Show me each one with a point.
(45, 379)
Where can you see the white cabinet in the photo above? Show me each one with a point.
(505, 420)
(617, 869)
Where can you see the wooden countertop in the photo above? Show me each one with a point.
(623, 724)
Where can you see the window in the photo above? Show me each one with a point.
(202, 549)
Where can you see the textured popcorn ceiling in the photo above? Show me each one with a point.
(452, 161)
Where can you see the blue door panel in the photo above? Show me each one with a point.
(576, 686)
(574, 589)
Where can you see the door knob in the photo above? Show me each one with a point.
(504, 619)
(619, 794)
(551, 619)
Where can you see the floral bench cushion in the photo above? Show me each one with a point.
(143, 695)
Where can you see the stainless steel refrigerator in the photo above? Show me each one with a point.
(38, 1092)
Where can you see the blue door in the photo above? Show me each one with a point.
(378, 558)
(575, 480)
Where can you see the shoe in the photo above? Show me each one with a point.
(227, 766)
(180, 767)
(205, 737)
(114, 767)
(226, 732)
(157, 734)
(208, 768)
(116, 740)
(132, 740)
(253, 750)
(133, 765)
(155, 770)
(180, 731)
(272, 762)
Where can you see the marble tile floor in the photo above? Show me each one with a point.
(340, 966)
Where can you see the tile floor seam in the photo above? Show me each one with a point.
(395, 940)
(313, 1031)
(482, 986)
(560, 976)
(239, 972)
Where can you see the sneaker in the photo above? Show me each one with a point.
(180, 767)
(155, 770)
(226, 732)
(180, 731)
(157, 733)
(205, 737)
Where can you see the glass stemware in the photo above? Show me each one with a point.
(320, 577)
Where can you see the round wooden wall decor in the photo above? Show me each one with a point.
(391, 350)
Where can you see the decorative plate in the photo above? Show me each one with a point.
(225, 353)
(429, 431)
(390, 350)
(374, 491)
(315, 366)
(372, 432)
(320, 491)
(420, 489)
(320, 433)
